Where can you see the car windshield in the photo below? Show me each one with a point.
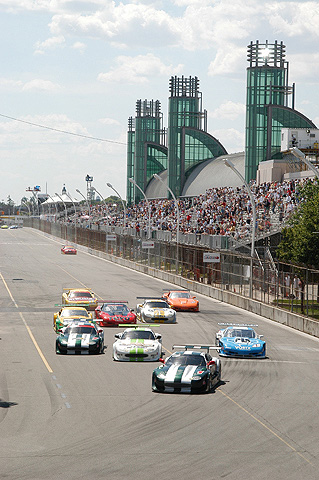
(240, 332)
(79, 330)
(158, 304)
(118, 309)
(186, 359)
(135, 334)
(180, 295)
(70, 312)
(78, 294)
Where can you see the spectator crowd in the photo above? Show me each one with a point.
(220, 211)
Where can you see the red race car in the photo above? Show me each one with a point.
(182, 300)
(68, 250)
(112, 314)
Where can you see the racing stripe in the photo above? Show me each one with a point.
(72, 339)
(171, 373)
(188, 373)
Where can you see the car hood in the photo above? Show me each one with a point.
(182, 373)
(139, 342)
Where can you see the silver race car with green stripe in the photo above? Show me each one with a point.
(189, 371)
(80, 338)
(137, 344)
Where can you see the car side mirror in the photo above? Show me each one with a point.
(100, 330)
(117, 335)
(260, 336)
(158, 336)
(194, 298)
(161, 360)
(132, 309)
(212, 362)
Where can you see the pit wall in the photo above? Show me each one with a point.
(298, 322)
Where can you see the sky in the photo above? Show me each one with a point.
(72, 70)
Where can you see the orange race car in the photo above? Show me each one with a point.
(182, 300)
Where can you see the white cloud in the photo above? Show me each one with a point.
(109, 121)
(138, 69)
(233, 140)
(50, 43)
(80, 46)
(40, 84)
(229, 110)
(293, 18)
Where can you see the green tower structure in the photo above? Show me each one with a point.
(146, 150)
(188, 141)
(267, 109)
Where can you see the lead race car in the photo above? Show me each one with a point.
(188, 370)
(80, 337)
(68, 250)
(240, 340)
(155, 310)
(137, 344)
(114, 313)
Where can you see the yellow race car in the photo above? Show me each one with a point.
(67, 315)
(79, 297)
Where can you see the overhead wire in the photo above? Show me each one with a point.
(62, 131)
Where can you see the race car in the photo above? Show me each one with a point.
(189, 370)
(111, 314)
(80, 297)
(155, 310)
(181, 300)
(67, 315)
(80, 337)
(68, 250)
(240, 340)
(137, 344)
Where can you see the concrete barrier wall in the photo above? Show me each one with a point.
(276, 314)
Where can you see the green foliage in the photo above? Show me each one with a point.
(300, 239)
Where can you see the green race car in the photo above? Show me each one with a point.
(188, 371)
(80, 338)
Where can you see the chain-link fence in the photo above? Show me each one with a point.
(283, 285)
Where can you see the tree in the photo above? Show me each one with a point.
(300, 239)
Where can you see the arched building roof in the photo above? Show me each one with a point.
(209, 174)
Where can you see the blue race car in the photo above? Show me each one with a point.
(240, 340)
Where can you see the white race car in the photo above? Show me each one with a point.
(137, 344)
(155, 310)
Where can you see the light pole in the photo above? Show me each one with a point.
(148, 205)
(87, 203)
(69, 196)
(103, 200)
(301, 156)
(56, 208)
(24, 203)
(65, 209)
(124, 209)
(230, 164)
(177, 217)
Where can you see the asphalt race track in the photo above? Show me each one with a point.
(88, 417)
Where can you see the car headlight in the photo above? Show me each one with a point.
(161, 375)
(196, 377)
(170, 313)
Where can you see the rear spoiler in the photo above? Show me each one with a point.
(238, 324)
(197, 347)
